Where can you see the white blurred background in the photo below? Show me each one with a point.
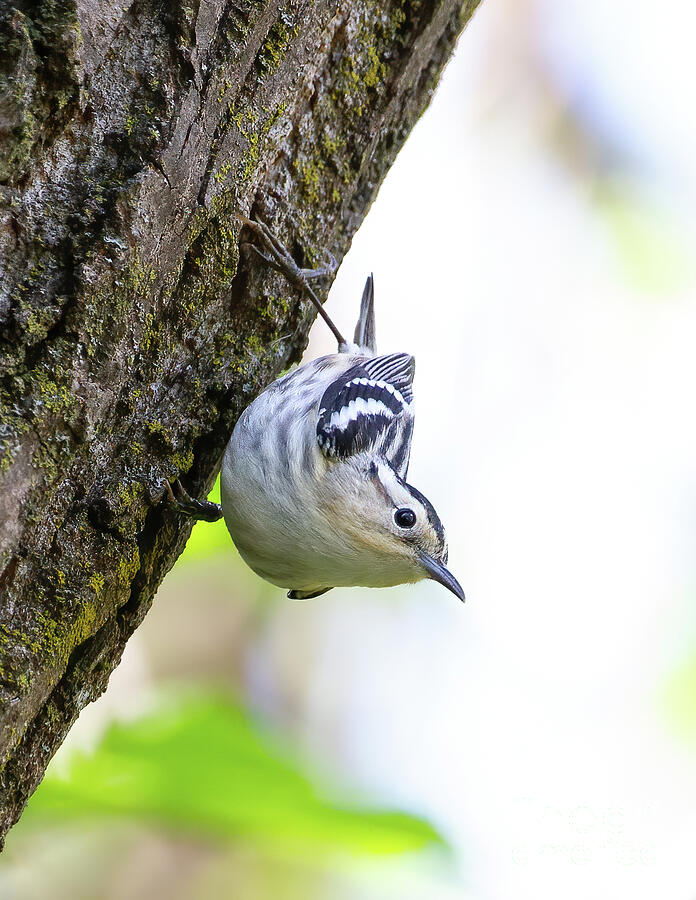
(533, 246)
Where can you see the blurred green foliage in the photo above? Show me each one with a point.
(200, 766)
(679, 701)
(653, 255)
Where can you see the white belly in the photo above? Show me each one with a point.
(270, 472)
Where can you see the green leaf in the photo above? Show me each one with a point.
(201, 766)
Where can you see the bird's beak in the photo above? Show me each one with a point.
(439, 572)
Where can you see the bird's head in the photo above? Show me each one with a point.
(395, 535)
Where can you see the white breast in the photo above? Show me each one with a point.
(270, 472)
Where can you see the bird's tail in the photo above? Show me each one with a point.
(365, 332)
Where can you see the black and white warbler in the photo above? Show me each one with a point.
(314, 490)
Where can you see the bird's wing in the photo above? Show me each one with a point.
(370, 407)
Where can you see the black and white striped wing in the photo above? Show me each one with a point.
(370, 407)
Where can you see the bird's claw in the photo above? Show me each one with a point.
(275, 254)
(280, 259)
(178, 497)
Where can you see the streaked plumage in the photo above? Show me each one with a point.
(313, 478)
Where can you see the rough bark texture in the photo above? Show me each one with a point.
(132, 330)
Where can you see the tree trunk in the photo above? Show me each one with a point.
(133, 332)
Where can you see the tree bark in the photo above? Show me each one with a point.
(133, 331)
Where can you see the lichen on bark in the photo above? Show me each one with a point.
(133, 327)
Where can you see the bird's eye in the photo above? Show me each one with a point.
(405, 517)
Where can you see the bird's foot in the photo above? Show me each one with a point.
(306, 595)
(176, 496)
(279, 257)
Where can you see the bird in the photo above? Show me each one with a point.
(313, 479)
